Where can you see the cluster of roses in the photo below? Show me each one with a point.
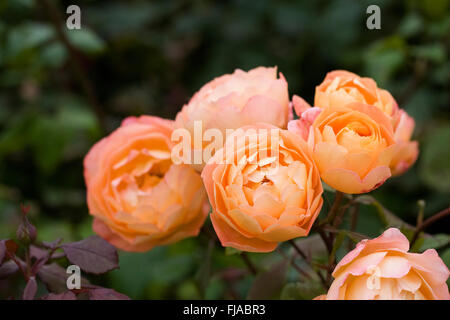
(354, 138)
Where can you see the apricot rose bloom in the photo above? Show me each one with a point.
(383, 269)
(139, 198)
(238, 99)
(342, 87)
(352, 144)
(263, 190)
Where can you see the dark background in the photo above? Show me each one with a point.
(149, 57)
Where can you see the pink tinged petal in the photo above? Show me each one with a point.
(106, 233)
(349, 257)
(299, 128)
(264, 109)
(394, 267)
(349, 181)
(430, 266)
(391, 239)
(404, 127)
(279, 233)
(334, 293)
(362, 264)
(300, 105)
(310, 115)
(229, 237)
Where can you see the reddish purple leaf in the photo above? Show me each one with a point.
(38, 253)
(9, 246)
(53, 244)
(8, 268)
(30, 289)
(55, 278)
(68, 295)
(106, 294)
(92, 255)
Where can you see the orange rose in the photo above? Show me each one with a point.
(343, 87)
(383, 269)
(264, 188)
(235, 100)
(352, 145)
(138, 197)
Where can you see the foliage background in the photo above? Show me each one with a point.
(149, 57)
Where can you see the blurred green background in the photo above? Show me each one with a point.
(148, 57)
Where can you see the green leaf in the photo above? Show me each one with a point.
(411, 25)
(86, 40)
(435, 242)
(434, 52)
(268, 284)
(27, 36)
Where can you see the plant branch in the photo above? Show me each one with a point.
(334, 208)
(428, 222)
(299, 251)
(353, 222)
(296, 267)
(251, 267)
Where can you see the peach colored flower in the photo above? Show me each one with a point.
(407, 151)
(352, 144)
(264, 188)
(383, 269)
(235, 100)
(342, 87)
(138, 197)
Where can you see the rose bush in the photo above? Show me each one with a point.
(139, 198)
